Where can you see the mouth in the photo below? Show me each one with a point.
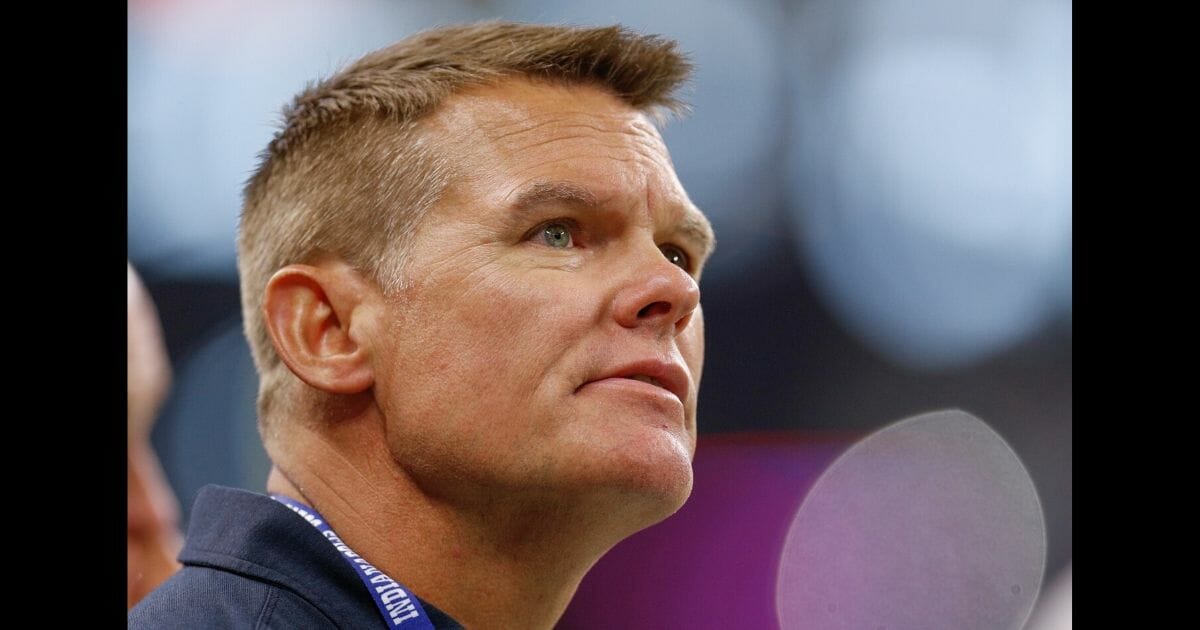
(646, 379)
(669, 377)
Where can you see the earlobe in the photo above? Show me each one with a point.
(310, 312)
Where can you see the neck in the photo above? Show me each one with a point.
(500, 564)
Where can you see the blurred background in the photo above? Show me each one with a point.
(890, 182)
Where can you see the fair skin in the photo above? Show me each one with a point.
(528, 399)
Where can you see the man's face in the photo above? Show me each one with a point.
(550, 339)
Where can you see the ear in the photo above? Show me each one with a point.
(310, 312)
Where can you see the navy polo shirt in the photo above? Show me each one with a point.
(250, 562)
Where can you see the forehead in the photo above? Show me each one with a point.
(508, 137)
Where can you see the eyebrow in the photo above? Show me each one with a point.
(694, 226)
(555, 192)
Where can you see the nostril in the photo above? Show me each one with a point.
(683, 322)
(656, 308)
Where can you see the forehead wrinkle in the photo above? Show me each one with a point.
(618, 149)
(617, 139)
(594, 165)
(594, 141)
(524, 124)
(646, 154)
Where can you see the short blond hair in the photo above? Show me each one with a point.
(348, 174)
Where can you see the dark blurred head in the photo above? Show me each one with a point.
(153, 512)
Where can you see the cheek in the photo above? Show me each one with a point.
(482, 348)
(473, 378)
(522, 325)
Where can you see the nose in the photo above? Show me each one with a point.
(657, 295)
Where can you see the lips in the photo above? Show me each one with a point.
(672, 377)
(648, 379)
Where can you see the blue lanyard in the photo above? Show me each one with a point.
(395, 603)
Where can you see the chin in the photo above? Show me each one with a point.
(665, 497)
(643, 479)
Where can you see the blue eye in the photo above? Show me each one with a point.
(677, 257)
(557, 235)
